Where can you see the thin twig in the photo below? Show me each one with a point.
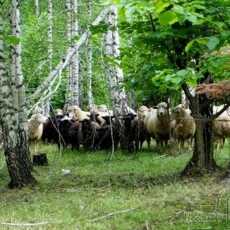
(27, 224)
(112, 214)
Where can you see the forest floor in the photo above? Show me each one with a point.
(83, 190)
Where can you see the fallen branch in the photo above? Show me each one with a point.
(112, 214)
(69, 54)
(26, 224)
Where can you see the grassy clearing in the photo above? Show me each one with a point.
(128, 192)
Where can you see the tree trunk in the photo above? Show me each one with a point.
(37, 8)
(90, 60)
(12, 111)
(115, 73)
(47, 101)
(46, 106)
(203, 150)
(73, 88)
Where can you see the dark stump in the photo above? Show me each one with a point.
(40, 159)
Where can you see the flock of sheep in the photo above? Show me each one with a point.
(99, 129)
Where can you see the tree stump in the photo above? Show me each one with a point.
(40, 159)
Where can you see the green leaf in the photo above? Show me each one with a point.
(213, 42)
(12, 40)
(168, 18)
(161, 6)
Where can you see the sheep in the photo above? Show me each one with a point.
(95, 136)
(157, 123)
(76, 113)
(142, 112)
(221, 126)
(70, 131)
(51, 133)
(141, 130)
(183, 125)
(35, 128)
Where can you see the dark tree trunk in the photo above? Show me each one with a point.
(18, 160)
(203, 152)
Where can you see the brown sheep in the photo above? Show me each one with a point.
(184, 126)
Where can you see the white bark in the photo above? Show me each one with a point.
(68, 56)
(12, 110)
(73, 89)
(50, 33)
(115, 73)
(90, 60)
(46, 106)
(16, 70)
(37, 7)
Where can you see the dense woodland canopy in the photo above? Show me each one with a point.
(163, 44)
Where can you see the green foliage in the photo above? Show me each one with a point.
(172, 42)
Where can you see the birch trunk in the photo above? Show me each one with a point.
(37, 8)
(115, 73)
(90, 60)
(72, 32)
(12, 110)
(46, 106)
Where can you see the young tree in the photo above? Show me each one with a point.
(114, 72)
(73, 87)
(37, 7)
(89, 59)
(46, 106)
(12, 111)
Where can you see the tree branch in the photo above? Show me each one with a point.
(152, 24)
(214, 116)
(69, 54)
(187, 93)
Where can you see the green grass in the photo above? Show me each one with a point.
(128, 192)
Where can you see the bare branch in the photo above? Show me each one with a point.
(187, 93)
(214, 116)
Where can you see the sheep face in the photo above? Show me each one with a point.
(162, 110)
(179, 111)
(39, 118)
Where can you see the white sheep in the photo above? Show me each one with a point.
(157, 123)
(35, 127)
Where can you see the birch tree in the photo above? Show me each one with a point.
(89, 60)
(67, 57)
(12, 110)
(73, 32)
(37, 7)
(46, 107)
(115, 73)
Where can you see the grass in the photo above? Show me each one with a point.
(128, 192)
